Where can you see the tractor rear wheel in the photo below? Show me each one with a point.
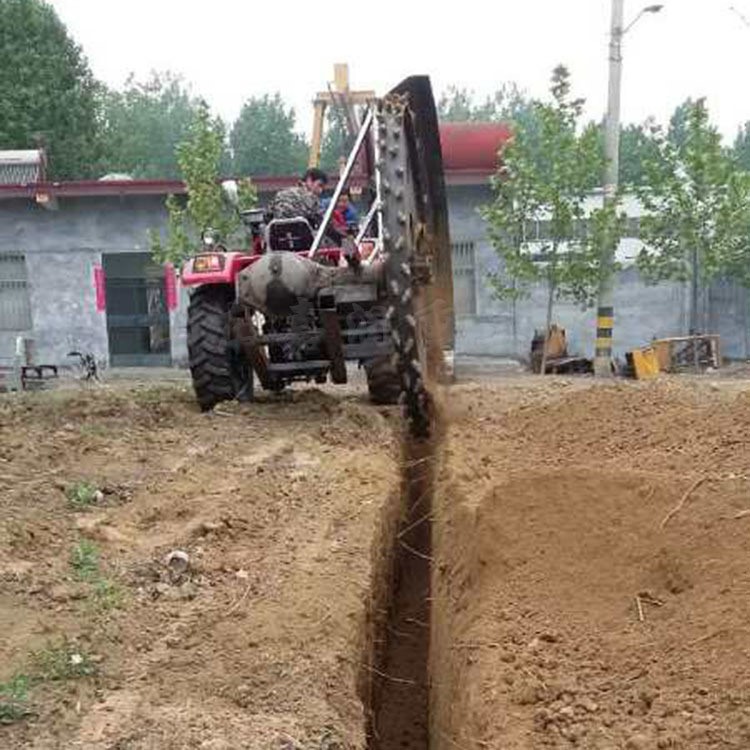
(383, 381)
(208, 338)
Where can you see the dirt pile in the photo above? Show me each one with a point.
(591, 585)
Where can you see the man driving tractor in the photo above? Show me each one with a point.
(303, 199)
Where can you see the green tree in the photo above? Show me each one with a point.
(741, 148)
(199, 157)
(337, 141)
(456, 104)
(264, 141)
(637, 147)
(677, 132)
(696, 225)
(143, 124)
(544, 181)
(507, 104)
(47, 91)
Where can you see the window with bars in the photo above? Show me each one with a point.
(15, 306)
(464, 278)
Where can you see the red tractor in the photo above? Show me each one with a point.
(297, 307)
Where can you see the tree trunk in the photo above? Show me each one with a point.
(548, 323)
(694, 304)
(514, 312)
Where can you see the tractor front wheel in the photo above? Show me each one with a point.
(214, 378)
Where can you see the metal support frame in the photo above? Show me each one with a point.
(243, 330)
(366, 124)
(377, 206)
(334, 344)
(368, 220)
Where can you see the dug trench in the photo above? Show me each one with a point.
(556, 578)
(395, 679)
(522, 539)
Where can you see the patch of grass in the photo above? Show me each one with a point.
(104, 594)
(95, 430)
(107, 595)
(14, 699)
(84, 560)
(63, 661)
(82, 495)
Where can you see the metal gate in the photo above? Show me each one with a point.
(137, 313)
(15, 309)
(15, 305)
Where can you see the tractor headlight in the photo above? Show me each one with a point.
(208, 262)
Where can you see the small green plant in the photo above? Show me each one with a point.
(14, 699)
(95, 430)
(82, 494)
(84, 560)
(107, 595)
(63, 661)
(104, 594)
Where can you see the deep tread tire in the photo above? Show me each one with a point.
(207, 339)
(383, 381)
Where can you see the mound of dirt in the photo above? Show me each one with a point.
(591, 579)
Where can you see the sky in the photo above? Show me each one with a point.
(232, 49)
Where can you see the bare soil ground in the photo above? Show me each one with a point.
(590, 578)
(259, 643)
(562, 505)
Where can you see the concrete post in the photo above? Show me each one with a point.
(605, 310)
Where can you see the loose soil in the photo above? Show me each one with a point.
(261, 643)
(551, 520)
(307, 617)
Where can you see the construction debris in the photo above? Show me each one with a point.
(558, 361)
(678, 353)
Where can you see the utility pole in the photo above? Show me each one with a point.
(605, 312)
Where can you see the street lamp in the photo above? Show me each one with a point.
(605, 308)
(647, 9)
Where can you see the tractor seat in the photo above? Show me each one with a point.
(290, 234)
